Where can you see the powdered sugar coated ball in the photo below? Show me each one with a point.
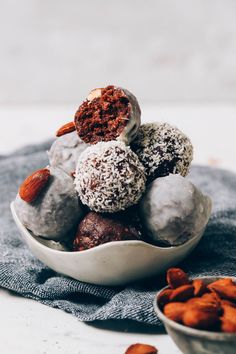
(56, 210)
(163, 149)
(173, 210)
(109, 177)
(65, 151)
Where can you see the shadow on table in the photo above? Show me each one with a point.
(127, 326)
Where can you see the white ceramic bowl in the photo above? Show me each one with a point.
(113, 263)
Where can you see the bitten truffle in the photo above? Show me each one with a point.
(110, 113)
(173, 210)
(55, 211)
(65, 151)
(163, 149)
(96, 229)
(109, 177)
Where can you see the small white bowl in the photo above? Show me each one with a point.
(113, 263)
(196, 341)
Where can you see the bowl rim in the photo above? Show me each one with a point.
(188, 330)
(102, 246)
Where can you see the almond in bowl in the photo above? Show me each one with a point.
(199, 314)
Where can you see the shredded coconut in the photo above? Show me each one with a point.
(163, 149)
(109, 177)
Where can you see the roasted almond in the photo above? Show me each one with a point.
(227, 326)
(177, 277)
(198, 305)
(227, 292)
(139, 348)
(229, 313)
(66, 128)
(211, 297)
(222, 282)
(200, 319)
(182, 293)
(227, 303)
(199, 287)
(204, 305)
(33, 185)
(164, 297)
(175, 311)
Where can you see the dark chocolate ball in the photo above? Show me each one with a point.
(96, 229)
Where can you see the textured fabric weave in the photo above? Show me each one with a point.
(21, 272)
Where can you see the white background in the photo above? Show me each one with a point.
(162, 50)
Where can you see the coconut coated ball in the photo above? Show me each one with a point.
(109, 177)
(96, 229)
(110, 113)
(173, 210)
(55, 211)
(65, 151)
(163, 149)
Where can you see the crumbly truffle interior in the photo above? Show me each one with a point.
(103, 118)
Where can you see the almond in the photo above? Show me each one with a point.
(182, 293)
(141, 349)
(227, 303)
(229, 313)
(66, 128)
(227, 292)
(175, 311)
(198, 305)
(177, 277)
(199, 287)
(211, 297)
(227, 326)
(204, 305)
(164, 297)
(33, 185)
(200, 319)
(222, 282)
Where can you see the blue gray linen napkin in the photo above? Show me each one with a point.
(21, 272)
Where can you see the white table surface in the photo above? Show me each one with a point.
(29, 327)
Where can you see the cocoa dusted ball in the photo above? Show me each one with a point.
(163, 149)
(109, 177)
(110, 113)
(96, 229)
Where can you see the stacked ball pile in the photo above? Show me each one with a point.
(110, 178)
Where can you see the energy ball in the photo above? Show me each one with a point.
(173, 210)
(96, 229)
(163, 149)
(109, 177)
(65, 151)
(110, 113)
(55, 211)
